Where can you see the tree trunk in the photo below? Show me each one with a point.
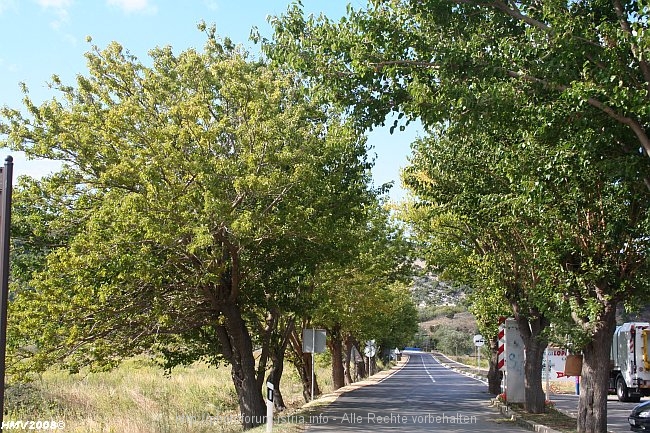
(275, 374)
(531, 328)
(266, 338)
(336, 346)
(349, 345)
(277, 349)
(238, 350)
(360, 367)
(494, 375)
(592, 406)
(535, 397)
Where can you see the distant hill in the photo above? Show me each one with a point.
(429, 290)
(463, 321)
(445, 323)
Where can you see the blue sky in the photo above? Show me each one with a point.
(45, 37)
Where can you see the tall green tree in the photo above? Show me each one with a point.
(459, 63)
(180, 173)
(536, 231)
(477, 228)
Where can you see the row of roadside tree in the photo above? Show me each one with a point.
(209, 208)
(532, 184)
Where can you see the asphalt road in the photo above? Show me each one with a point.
(617, 412)
(422, 396)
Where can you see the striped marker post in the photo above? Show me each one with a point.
(501, 351)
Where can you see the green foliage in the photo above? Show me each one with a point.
(432, 312)
(539, 96)
(452, 341)
(186, 186)
(368, 296)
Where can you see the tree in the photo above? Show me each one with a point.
(512, 227)
(366, 297)
(459, 63)
(180, 174)
(477, 228)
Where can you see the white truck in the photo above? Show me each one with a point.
(629, 376)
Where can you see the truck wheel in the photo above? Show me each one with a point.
(621, 389)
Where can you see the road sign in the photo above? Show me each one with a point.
(371, 348)
(313, 340)
(478, 340)
(356, 356)
(269, 391)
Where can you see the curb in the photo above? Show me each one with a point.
(375, 378)
(528, 425)
(478, 377)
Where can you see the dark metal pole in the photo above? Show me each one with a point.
(5, 228)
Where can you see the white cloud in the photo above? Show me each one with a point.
(11, 67)
(212, 4)
(56, 4)
(6, 5)
(130, 6)
(60, 8)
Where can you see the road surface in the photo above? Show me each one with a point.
(422, 396)
(617, 412)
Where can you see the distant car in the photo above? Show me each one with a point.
(639, 418)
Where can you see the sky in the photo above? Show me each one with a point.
(45, 37)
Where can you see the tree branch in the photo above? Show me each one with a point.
(516, 13)
(625, 25)
(634, 124)
(384, 63)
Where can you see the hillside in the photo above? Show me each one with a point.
(445, 323)
(429, 290)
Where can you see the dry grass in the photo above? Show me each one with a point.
(552, 418)
(137, 397)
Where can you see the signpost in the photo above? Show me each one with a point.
(370, 350)
(313, 341)
(6, 175)
(478, 342)
(269, 406)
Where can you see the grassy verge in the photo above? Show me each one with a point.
(552, 418)
(137, 397)
(471, 361)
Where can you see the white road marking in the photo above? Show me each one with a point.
(427, 370)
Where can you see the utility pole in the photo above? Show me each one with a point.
(6, 174)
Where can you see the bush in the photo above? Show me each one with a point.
(452, 341)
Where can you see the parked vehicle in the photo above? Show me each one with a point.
(629, 376)
(639, 418)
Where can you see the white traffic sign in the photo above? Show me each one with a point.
(371, 348)
(478, 340)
